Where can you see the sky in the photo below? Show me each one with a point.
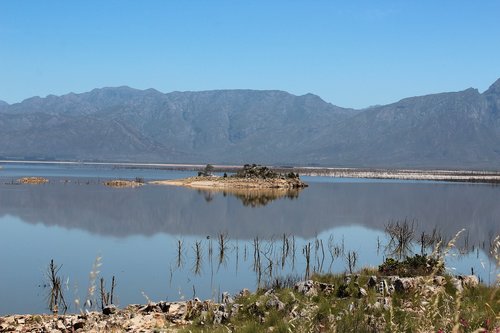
(350, 53)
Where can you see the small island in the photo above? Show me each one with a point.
(249, 177)
(121, 183)
(33, 180)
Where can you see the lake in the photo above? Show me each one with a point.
(169, 243)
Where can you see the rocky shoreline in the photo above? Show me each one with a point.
(298, 303)
(215, 182)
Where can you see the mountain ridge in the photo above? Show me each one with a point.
(451, 129)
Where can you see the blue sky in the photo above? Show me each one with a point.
(351, 53)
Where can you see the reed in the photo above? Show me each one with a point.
(106, 297)
(90, 301)
(56, 299)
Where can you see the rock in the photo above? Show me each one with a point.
(407, 284)
(377, 305)
(306, 287)
(327, 288)
(177, 310)
(244, 293)
(220, 317)
(269, 292)
(372, 282)
(164, 306)
(457, 284)
(109, 310)
(275, 303)
(60, 326)
(226, 298)
(235, 309)
(362, 292)
(311, 288)
(439, 280)
(78, 325)
(386, 303)
(469, 281)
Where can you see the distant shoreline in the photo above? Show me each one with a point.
(470, 176)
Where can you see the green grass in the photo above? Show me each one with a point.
(428, 308)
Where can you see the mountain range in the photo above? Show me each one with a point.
(454, 130)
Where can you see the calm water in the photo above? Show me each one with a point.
(136, 232)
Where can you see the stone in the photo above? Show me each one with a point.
(407, 284)
(275, 303)
(469, 281)
(220, 317)
(235, 309)
(439, 280)
(457, 284)
(109, 310)
(306, 287)
(269, 292)
(244, 293)
(326, 288)
(226, 298)
(60, 325)
(372, 282)
(79, 325)
(177, 310)
(362, 292)
(163, 306)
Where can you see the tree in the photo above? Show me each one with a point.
(209, 169)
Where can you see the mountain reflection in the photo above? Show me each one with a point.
(252, 197)
(180, 211)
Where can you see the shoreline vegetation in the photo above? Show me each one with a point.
(474, 176)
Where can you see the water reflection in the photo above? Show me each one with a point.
(149, 210)
(252, 197)
(172, 267)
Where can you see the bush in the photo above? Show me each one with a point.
(417, 265)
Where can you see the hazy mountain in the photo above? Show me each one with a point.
(3, 104)
(460, 129)
(455, 130)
